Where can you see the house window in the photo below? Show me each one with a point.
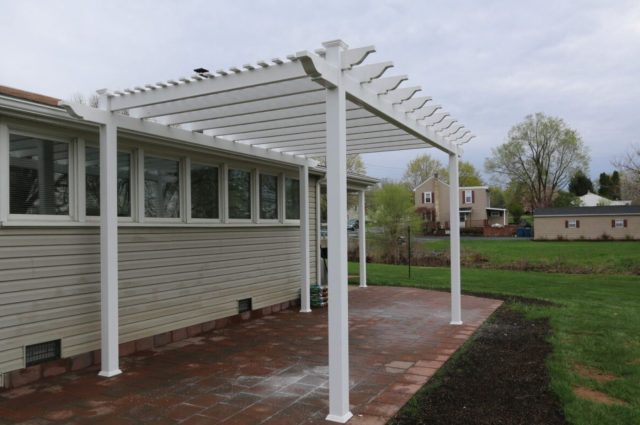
(239, 194)
(572, 224)
(38, 175)
(268, 197)
(426, 197)
(495, 213)
(204, 191)
(292, 198)
(468, 196)
(161, 187)
(619, 223)
(92, 182)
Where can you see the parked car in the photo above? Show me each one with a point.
(353, 224)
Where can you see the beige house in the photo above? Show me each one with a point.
(604, 222)
(431, 198)
(202, 235)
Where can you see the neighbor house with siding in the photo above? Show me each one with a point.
(431, 199)
(603, 222)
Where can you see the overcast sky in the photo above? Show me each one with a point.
(489, 63)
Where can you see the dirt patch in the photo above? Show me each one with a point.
(593, 373)
(500, 379)
(597, 396)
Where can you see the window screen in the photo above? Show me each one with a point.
(292, 198)
(39, 176)
(239, 194)
(161, 187)
(92, 182)
(268, 197)
(204, 191)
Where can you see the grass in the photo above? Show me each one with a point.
(596, 322)
(576, 256)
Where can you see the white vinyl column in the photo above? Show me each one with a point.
(305, 296)
(362, 239)
(318, 233)
(109, 249)
(337, 241)
(454, 230)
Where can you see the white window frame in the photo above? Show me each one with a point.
(468, 196)
(82, 180)
(252, 198)
(42, 219)
(428, 195)
(279, 212)
(619, 223)
(181, 184)
(188, 163)
(286, 220)
(572, 224)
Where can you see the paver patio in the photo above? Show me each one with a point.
(272, 370)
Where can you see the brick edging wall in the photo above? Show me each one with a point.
(31, 374)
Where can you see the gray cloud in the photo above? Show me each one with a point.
(490, 63)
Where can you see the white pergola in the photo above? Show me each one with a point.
(322, 103)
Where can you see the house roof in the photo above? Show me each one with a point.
(447, 184)
(588, 211)
(27, 95)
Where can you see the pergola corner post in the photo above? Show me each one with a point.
(109, 249)
(454, 234)
(336, 133)
(305, 295)
(362, 242)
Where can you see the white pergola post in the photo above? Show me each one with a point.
(305, 296)
(362, 240)
(318, 233)
(337, 241)
(109, 249)
(454, 234)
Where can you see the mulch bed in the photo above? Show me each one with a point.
(500, 379)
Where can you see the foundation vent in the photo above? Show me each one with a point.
(42, 352)
(244, 305)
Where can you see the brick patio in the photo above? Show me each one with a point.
(271, 370)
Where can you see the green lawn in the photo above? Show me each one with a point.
(596, 322)
(578, 256)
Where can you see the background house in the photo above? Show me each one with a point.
(602, 222)
(431, 198)
(593, 200)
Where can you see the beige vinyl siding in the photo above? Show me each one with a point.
(169, 278)
(313, 233)
(591, 227)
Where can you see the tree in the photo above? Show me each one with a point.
(542, 153)
(609, 185)
(566, 199)
(468, 175)
(421, 168)
(580, 184)
(629, 164)
(497, 198)
(513, 199)
(355, 164)
(393, 210)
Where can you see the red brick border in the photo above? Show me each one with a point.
(31, 374)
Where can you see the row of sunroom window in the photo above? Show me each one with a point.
(45, 176)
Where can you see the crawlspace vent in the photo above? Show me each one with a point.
(244, 305)
(42, 352)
